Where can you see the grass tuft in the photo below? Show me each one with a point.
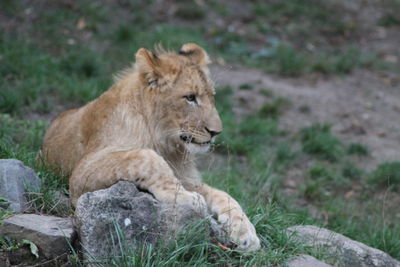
(386, 175)
(357, 149)
(318, 140)
(275, 108)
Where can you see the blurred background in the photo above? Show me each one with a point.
(308, 90)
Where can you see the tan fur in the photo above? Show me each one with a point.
(142, 130)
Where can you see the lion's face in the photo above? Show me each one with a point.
(191, 118)
(183, 98)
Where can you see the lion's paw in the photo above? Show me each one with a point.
(248, 242)
(242, 233)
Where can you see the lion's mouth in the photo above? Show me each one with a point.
(191, 140)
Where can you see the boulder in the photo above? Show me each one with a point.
(15, 180)
(137, 216)
(52, 235)
(350, 252)
(305, 261)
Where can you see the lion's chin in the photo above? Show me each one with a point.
(194, 148)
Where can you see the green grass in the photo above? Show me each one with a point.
(318, 140)
(357, 149)
(323, 183)
(35, 80)
(191, 11)
(275, 108)
(246, 86)
(386, 175)
(349, 170)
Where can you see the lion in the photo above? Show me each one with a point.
(147, 129)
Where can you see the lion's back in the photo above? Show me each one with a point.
(61, 144)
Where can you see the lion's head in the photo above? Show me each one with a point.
(181, 95)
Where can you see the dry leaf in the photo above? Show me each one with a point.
(81, 24)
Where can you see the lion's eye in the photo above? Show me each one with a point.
(191, 98)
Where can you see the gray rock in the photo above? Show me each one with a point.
(305, 261)
(15, 180)
(50, 234)
(350, 252)
(136, 214)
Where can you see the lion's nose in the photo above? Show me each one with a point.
(212, 133)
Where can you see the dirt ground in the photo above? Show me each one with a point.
(363, 107)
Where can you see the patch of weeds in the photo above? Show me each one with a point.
(23, 132)
(389, 19)
(4, 212)
(9, 7)
(295, 9)
(248, 134)
(9, 101)
(123, 33)
(81, 63)
(275, 108)
(190, 11)
(314, 191)
(327, 175)
(75, 77)
(246, 86)
(287, 61)
(386, 175)
(305, 109)
(342, 61)
(8, 244)
(266, 92)
(23, 81)
(346, 61)
(350, 171)
(322, 183)
(284, 153)
(357, 149)
(318, 140)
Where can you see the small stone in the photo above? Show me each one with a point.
(365, 116)
(15, 180)
(391, 59)
(349, 194)
(50, 234)
(306, 261)
(381, 134)
(369, 106)
(290, 183)
(349, 252)
(221, 61)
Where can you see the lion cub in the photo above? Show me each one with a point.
(145, 129)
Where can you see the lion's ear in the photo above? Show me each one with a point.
(148, 65)
(157, 72)
(196, 54)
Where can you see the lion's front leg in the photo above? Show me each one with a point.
(143, 167)
(235, 222)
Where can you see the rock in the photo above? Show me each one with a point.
(15, 180)
(136, 214)
(350, 252)
(305, 261)
(50, 234)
